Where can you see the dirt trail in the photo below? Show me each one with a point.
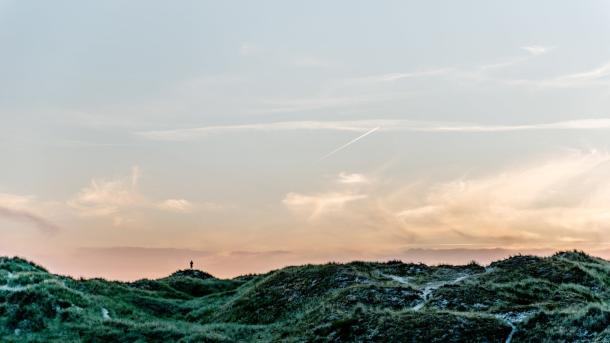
(427, 289)
(512, 318)
(512, 331)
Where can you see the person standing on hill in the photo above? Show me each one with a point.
(191, 264)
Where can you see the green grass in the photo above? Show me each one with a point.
(560, 298)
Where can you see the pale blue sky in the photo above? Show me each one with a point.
(203, 125)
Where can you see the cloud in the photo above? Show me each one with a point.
(594, 74)
(350, 179)
(558, 202)
(582, 124)
(191, 133)
(369, 125)
(26, 216)
(284, 105)
(176, 205)
(15, 200)
(114, 197)
(537, 50)
(599, 76)
(19, 208)
(319, 204)
(477, 73)
(135, 176)
(106, 197)
(391, 77)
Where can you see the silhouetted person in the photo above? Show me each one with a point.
(191, 264)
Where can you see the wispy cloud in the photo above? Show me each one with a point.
(176, 205)
(191, 133)
(350, 179)
(135, 176)
(284, 105)
(369, 126)
(554, 202)
(391, 77)
(15, 200)
(537, 50)
(582, 124)
(594, 74)
(23, 215)
(559, 202)
(19, 208)
(599, 76)
(105, 197)
(481, 72)
(225, 94)
(318, 204)
(114, 197)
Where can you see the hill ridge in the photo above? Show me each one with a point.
(564, 297)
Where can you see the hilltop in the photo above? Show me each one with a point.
(565, 297)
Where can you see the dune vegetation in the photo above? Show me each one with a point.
(564, 297)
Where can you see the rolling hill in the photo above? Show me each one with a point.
(565, 297)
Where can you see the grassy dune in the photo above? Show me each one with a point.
(565, 297)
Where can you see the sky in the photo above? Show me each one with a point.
(246, 136)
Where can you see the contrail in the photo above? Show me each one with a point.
(349, 143)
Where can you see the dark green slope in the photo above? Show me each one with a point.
(561, 298)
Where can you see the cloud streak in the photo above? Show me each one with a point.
(319, 204)
(26, 216)
(191, 133)
(582, 124)
(365, 127)
(537, 50)
(349, 143)
(391, 77)
(595, 77)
